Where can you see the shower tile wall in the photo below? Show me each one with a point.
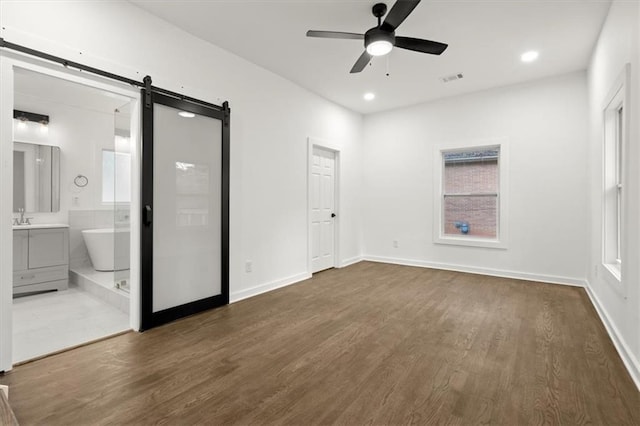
(90, 219)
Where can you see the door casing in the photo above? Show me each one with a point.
(9, 61)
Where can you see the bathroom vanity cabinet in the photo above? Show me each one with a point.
(40, 258)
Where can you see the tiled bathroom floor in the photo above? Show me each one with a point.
(48, 322)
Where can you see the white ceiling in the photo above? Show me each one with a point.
(486, 39)
(31, 86)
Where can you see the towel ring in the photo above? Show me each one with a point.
(80, 181)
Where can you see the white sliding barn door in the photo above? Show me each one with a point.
(323, 175)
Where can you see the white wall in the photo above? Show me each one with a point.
(544, 123)
(270, 121)
(81, 135)
(618, 44)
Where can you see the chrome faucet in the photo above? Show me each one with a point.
(23, 220)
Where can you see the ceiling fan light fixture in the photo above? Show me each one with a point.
(379, 48)
(378, 42)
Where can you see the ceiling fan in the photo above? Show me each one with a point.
(380, 40)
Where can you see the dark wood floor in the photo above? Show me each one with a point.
(367, 344)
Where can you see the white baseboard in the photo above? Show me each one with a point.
(551, 279)
(632, 364)
(350, 261)
(263, 288)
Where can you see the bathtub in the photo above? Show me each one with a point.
(108, 248)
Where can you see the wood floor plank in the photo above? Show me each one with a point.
(368, 344)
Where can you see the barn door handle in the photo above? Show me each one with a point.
(147, 215)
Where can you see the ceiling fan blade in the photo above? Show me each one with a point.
(420, 45)
(335, 34)
(362, 62)
(398, 14)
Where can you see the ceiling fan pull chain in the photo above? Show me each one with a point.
(388, 65)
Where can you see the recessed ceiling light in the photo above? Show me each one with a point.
(186, 114)
(529, 56)
(369, 96)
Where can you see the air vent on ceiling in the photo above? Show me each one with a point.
(451, 77)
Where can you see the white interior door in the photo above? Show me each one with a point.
(323, 175)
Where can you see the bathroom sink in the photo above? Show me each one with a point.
(41, 226)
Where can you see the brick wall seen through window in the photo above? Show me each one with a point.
(470, 192)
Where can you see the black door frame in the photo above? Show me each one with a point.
(150, 319)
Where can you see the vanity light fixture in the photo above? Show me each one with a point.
(186, 114)
(24, 116)
(22, 123)
(529, 56)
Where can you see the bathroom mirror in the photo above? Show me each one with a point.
(36, 177)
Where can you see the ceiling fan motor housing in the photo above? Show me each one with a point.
(376, 34)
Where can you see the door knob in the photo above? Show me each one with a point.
(333, 215)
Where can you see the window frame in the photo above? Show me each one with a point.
(620, 126)
(502, 232)
(615, 139)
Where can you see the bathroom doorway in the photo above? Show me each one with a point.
(74, 143)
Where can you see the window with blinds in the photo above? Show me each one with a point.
(471, 192)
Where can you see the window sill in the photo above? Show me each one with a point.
(471, 242)
(613, 272)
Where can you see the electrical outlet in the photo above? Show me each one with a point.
(395, 243)
(248, 266)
